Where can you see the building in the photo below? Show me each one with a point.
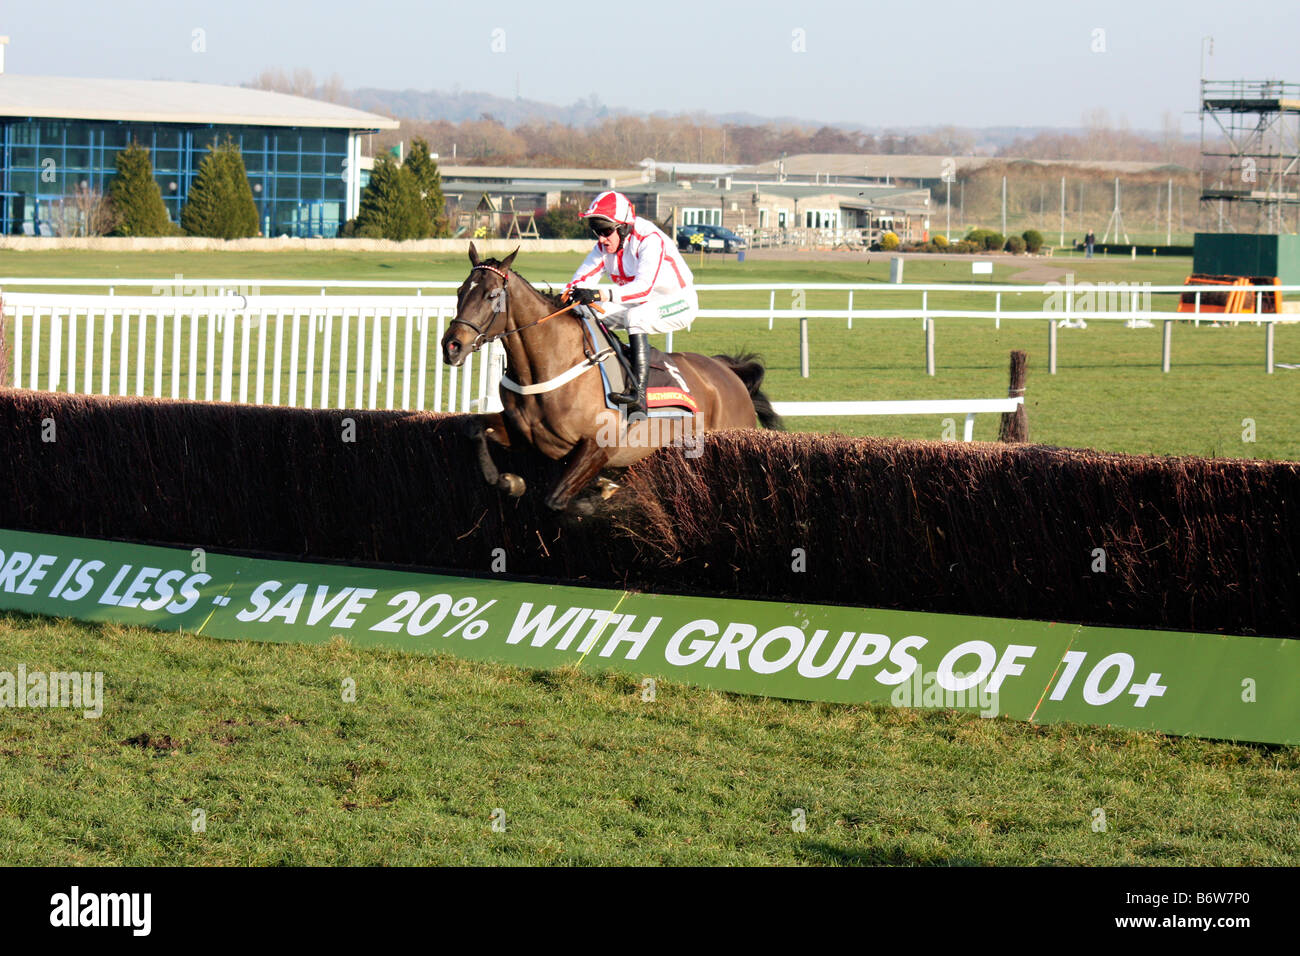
(798, 212)
(782, 207)
(56, 133)
(489, 194)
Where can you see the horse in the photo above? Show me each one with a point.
(553, 394)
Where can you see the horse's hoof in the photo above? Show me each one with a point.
(607, 488)
(584, 507)
(512, 485)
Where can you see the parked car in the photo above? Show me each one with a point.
(716, 238)
(711, 243)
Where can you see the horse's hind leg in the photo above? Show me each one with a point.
(478, 428)
(585, 463)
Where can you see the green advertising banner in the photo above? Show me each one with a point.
(1236, 688)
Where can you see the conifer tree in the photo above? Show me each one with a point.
(221, 202)
(136, 197)
(391, 205)
(425, 170)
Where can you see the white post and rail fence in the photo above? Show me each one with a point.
(334, 344)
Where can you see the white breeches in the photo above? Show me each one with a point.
(657, 314)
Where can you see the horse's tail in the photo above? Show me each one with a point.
(748, 367)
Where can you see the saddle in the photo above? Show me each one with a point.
(667, 394)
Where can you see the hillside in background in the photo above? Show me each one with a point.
(482, 128)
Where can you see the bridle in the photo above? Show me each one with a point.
(481, 337)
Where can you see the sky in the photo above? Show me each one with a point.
(900, 64)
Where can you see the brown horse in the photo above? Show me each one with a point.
(557, 404)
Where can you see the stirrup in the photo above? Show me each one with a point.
(630, 403)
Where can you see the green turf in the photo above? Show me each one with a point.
(260, 739)
(1108, 393)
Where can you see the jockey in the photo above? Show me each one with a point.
(653, 290)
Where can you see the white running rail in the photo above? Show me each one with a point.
(315, 352)
(969, 407)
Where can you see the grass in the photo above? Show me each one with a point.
(259, 738)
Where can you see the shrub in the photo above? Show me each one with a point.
(889, 242)
(1015, 245)
(940, 241)
(966, 246)
(987, 239)
(1033, 240)
(562, 222)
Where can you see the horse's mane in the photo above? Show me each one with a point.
(549, 295)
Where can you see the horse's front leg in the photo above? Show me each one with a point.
(479, 428)
(585, 463)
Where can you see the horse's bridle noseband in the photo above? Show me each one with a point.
(481, 338)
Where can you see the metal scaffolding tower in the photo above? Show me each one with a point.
(1254, 166)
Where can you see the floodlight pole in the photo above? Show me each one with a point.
(1062, 243)
(1169, 216)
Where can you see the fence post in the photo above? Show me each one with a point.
(1268, 346)
(771, 309)
(1014, 426)
(1166, 347)
(929, 347)
(1051, 348)
(803, 346)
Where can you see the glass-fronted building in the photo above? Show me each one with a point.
(57, 134)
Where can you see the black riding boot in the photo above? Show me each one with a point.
(634, 397)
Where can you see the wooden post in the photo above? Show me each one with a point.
(1268, 346)
(1168, 342)
(929, 347)
(1015, 425)
(803, 346)
(1051, 348)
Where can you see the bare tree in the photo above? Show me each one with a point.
(85, 212)
(302, 83)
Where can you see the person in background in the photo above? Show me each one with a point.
(1088, 242)
(654, 289)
